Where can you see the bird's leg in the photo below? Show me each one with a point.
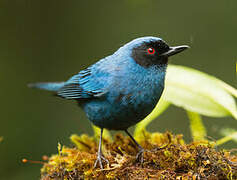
(100, 156)
(140, 153)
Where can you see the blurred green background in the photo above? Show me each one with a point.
(45, 40)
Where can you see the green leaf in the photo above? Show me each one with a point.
(198, 92)
(226, 86)
(161, 106)
(197, 128)
(230, 134)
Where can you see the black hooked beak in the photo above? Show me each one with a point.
(175, 50)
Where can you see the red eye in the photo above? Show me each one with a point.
(151, 51)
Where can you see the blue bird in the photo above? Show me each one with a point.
(121, 89)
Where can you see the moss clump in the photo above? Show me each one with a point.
(168, 157)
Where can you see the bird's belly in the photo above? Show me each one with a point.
(123, 111)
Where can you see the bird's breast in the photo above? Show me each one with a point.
(139, 87)
(130, 98)
(139, 96)
(133, 98)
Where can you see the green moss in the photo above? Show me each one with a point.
(168, 158)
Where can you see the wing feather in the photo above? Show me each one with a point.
(81, 86)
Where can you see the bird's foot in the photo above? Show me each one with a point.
(99, 159)
(140, 155)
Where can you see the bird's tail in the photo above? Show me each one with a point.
(49, 86)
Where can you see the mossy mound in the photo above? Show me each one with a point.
(168, 158)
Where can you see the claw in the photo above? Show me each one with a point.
(99, 159)
(140, 155)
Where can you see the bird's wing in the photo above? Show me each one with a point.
(83, 85)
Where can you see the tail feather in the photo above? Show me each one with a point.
(49, 86)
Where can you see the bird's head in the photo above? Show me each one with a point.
(148, 51)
